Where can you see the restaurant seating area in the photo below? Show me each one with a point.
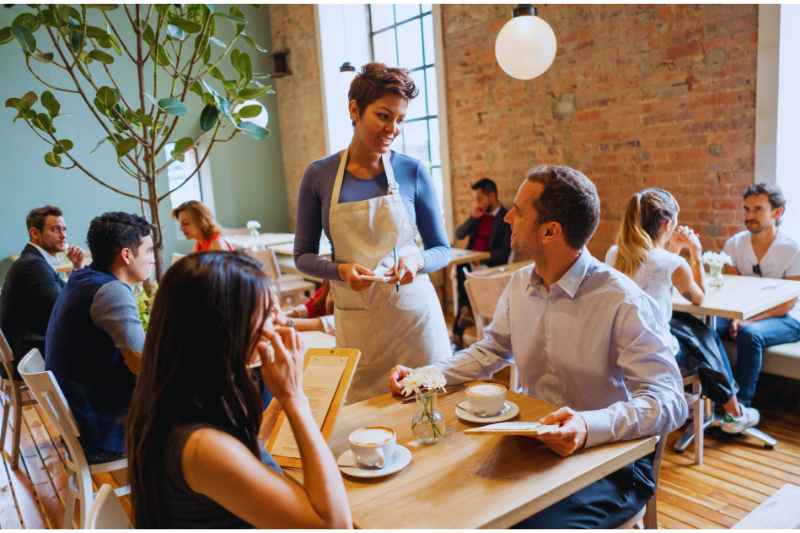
(400, 266)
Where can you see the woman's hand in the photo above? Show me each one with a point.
(282, 363)
(407, 269)
(351, 274)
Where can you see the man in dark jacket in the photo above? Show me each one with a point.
(487, 232)
(32, 284)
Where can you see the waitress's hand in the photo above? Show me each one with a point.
(281, 354)
(407, 269)
(396, 375)
(351, 274)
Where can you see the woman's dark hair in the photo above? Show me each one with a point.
(111, 232)
(569, 198)
(376, 80)
(194, 366)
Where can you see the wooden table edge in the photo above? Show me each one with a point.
(648, 444)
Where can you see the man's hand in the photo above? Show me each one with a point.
(735, 326)
(396, 375)
(75, 256)
(571, 434)
(477, 211)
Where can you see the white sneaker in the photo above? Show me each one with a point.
(737, 424)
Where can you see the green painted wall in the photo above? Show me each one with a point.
(247, 174)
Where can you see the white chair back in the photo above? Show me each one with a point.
(44, 387)
(106, 511)
(484, 288)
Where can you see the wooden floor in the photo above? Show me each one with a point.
(736, 477)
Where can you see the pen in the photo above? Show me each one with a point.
(396, 272)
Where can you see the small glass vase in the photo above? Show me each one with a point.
(715, 278)
(427, 424)
(254, 239)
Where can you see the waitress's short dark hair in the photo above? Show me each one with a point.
(376, 80)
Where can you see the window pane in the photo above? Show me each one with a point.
(385, 51)
(405, 11)
(399, 143)
(416, 135)
(409, 39)
(436, 156)
(438, 184)
(428, 42)
(426, 8)
(382, 16)
(432, 91)
(416, 107)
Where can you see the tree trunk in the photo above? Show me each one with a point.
(155, 221)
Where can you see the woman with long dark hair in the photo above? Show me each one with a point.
(194, 454)
(648, 250)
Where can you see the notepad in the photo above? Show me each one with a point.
(525, 429)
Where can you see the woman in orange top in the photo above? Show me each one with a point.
(198, 223)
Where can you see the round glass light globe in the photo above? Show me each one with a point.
(262, 119)
(525, 47)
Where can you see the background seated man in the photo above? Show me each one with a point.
(583, 336)
(486, 231)
(32, 284)
(765, 250)
(95, 337)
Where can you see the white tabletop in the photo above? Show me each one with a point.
(741, 297)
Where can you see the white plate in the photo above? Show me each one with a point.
(347, 464)
(510, 410)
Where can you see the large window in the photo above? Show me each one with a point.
(402, 35)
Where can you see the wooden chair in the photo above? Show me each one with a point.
(106, 511)
(14, 396)
(484, 288)
(44, 387)
(292, 289)
(647, 517)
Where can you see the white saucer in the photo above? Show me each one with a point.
(510, 410)
(347, 464)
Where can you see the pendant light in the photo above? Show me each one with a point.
(526, 45)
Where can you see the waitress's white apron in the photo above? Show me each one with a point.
(389, 327)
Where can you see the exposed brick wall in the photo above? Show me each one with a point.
(299, 95)
(638, 96)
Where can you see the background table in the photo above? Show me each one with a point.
(469, 481)
(263, 239)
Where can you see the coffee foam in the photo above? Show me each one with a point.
(371, 436)
(486, 389)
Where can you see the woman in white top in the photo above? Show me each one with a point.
(648, 250)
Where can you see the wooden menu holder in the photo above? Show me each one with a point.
(352, 355)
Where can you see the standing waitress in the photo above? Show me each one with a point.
(370, 201)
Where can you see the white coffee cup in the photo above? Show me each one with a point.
(486, 399)
(373, 446)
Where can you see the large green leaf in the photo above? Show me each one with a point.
(63, 145)
(50, 102)
(103, 57)
(252, 42)
(5, 35)
(76, 39)
(124, 146)
(186, 25)
(161, 56)
(25, 38)
(13, 103)
(246, 66)
(217, 73)
(253, 130)
(149, 36)
(253, 91)
(54, 160)
(172, 106)
(175, 32)
(208, 117)
(71, 15)
(27, 20)
(250, 111)
(181, 145)
(96, 33)
(27, 101)
(43, 122)
(196, 88)
(107, 97)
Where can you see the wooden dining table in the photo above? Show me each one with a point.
(468, 480)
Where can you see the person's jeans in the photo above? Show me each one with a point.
(751, 341)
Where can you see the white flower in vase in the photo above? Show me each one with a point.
(715, 262)
(423, 379)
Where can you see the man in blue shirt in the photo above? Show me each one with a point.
(95, 338)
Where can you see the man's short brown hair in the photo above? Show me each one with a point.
(37, 217)
(569, 198)
(376, 80)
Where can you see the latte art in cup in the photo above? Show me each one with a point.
(373, 446)
(486, 399)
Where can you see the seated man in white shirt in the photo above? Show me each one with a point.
(763, 250)
(583, 336)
